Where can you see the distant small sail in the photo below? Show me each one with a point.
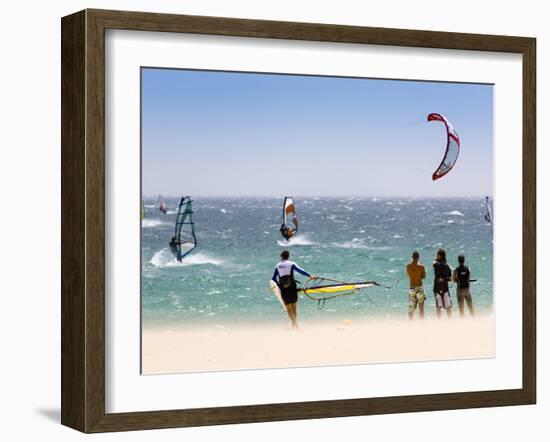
(184, 240)
(289, 225)
(162, 205)
(488, 211)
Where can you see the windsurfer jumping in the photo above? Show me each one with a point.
(289, 210)
(289, 232)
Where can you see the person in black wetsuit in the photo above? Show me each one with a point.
(283, 276)
(287, 232)
(174, 248)
(442, 276)
(461, 276)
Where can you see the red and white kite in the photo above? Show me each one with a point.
(452, 150)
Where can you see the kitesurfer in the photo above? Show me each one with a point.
(416, 273)
(283, 276)
(442, 276)
(461, 276)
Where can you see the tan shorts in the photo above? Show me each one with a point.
(416, 296)
(443, 301)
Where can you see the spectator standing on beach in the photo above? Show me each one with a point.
(416, 273)
(442, 277)
(461, 276)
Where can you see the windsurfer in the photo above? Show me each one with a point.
(488, 212)
(289, 210)
(283, 276)
(287, 232)
(184, 239)
(174, 246)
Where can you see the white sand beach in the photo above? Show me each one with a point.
(346, 341)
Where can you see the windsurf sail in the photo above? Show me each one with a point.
(452, 148)
(184, 240)
(142, 210)
(162, 205)
(334, 289)
(488, 211)
(289, 225)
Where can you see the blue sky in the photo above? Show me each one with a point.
(244, 134)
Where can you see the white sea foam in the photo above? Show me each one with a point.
(357, 244)
(223, 211)
(149, 223)
(454, 213)
(300, 240)
(450, 221)
(164, 258)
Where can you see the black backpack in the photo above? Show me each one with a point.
(286, 281)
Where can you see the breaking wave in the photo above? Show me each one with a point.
(149, 223)
(164, 258)
(355, 243)
(300, 240)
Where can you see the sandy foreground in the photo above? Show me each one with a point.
(329, 343)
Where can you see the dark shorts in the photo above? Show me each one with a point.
(289, 294)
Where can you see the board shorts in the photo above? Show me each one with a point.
(443, 300)
(416, 296)
(289, 294)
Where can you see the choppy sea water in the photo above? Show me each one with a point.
(225, 280)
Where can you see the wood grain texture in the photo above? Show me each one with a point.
(529, 221)
(73, 212)
(95, 221)
(83, 209)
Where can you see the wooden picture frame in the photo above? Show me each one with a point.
(83, 210)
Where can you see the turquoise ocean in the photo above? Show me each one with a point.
(225, 280)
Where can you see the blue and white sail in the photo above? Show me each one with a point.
(184, 240)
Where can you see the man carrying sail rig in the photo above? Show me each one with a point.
(283, 276)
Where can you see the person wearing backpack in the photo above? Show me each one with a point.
(461, 276)
(283, 276)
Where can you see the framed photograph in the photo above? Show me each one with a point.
(269, 220)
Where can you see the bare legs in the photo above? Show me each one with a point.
(465, 295)
(420, 311)
(292, 314)
(448, 310)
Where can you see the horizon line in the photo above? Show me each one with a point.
(157, 195)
